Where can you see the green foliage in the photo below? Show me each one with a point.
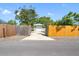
(68, 19)
(45, 20)
(76, 17)
(12, 22)
(26, 16)
(64, 22)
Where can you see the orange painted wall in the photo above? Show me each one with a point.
(63, 30)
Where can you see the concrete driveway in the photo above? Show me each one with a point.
(37, 36)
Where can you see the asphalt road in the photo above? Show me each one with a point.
(39, 48)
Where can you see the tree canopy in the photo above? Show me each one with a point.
(29, 16)
(26, 15)
(44, 20)
(12, 22)
(70, 19)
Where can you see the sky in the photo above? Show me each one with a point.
(54, 10)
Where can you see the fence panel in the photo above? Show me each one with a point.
(11, 30)
(2, 30)
(23, 30)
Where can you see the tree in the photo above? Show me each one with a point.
(76, 18)
(26, 15)
(12, 22)
(45, 20)
(67, 19)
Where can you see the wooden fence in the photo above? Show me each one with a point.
(63, 30)
(7, 30)
(11, 30)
